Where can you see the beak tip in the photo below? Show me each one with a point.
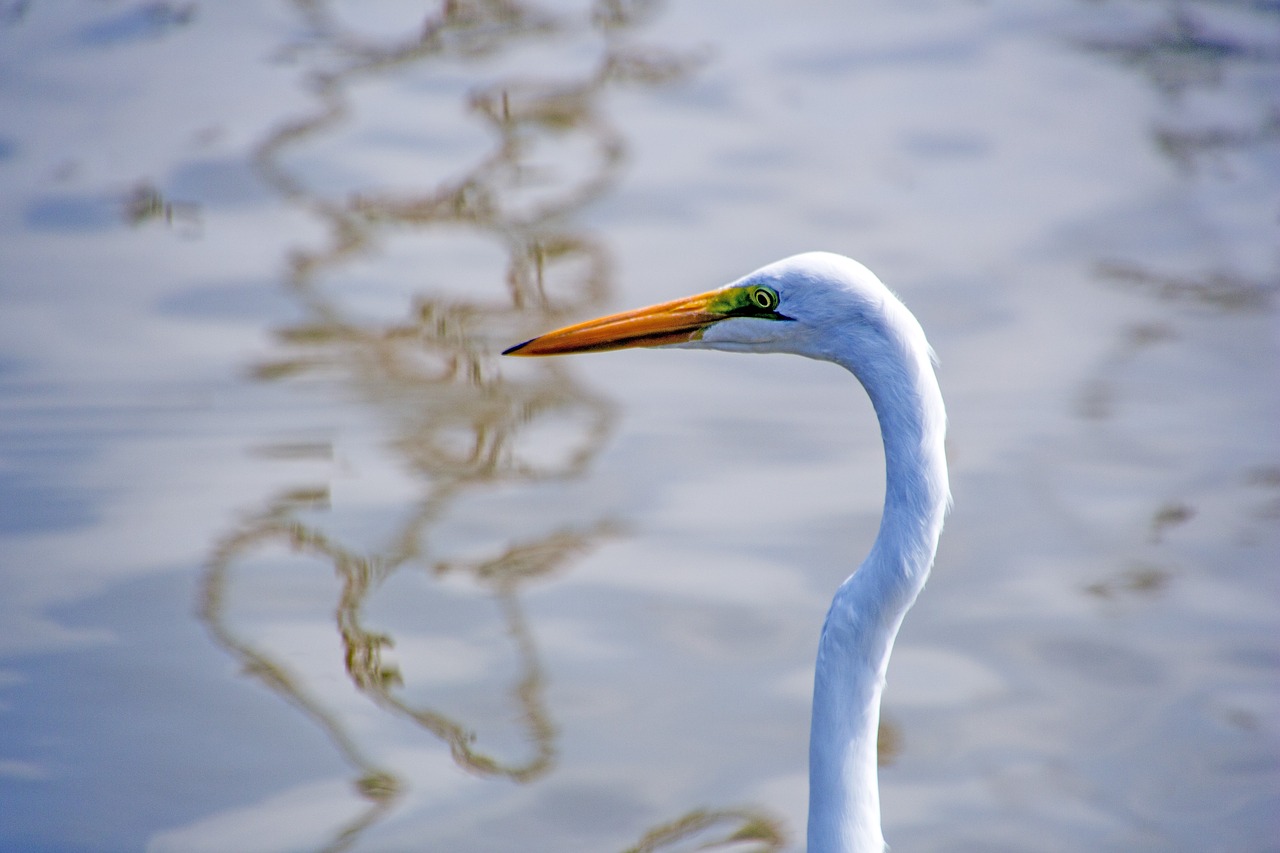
(515, 350)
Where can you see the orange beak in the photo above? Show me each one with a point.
(674, 322)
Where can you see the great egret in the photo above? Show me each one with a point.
(832, 308)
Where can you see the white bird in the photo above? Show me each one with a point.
(829, 307)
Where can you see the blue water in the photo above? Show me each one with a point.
(291, 559)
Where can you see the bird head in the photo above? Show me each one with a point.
(818, 304)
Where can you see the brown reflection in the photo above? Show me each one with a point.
(1185, 50)
(715, 830)
(1169, 515)
(377, 785)
(1195, 48)
(144, 203)
(1141, 579)
(1224, 291)
(1265, 478)
(1097, 399)
(888, 742)
(457, 423)
(1186, 146)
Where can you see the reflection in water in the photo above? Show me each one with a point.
(1138, 580)
(144, 203)
(1126, 233)
(1195, 48)
(1224, 291)
(458, 423)
(888, 741)
(1169, 515)
(1186, 146)
(1266, 478)
(1187, 50)
(13, 11)
(375, 784)
(1098, 398)
(144, 21)
(744, 827)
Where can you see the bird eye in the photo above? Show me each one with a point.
(764, 298)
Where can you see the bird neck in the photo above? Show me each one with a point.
(863, 621)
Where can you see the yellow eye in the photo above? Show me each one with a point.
(764, 298)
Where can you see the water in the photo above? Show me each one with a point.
(292, 560)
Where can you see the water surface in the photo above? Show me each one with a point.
(292, 560)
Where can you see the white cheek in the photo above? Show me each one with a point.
(743, 330)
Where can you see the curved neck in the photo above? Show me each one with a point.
(868, 608)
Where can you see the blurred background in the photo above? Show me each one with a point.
(292, 560)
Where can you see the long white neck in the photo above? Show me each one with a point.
(857, 638)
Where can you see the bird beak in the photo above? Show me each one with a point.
(675, 322)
